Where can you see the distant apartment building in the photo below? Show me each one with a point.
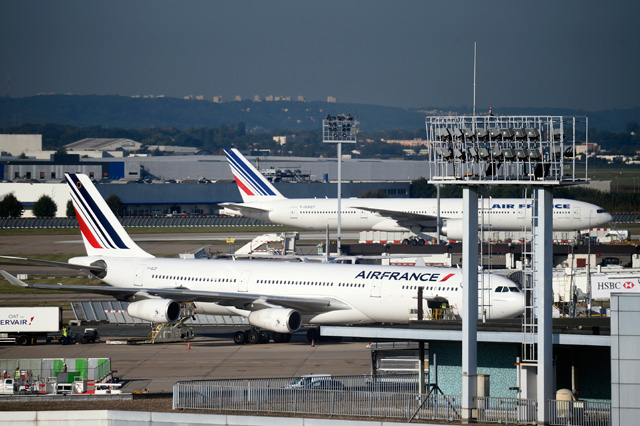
(409, 143)
(331, 99)
(217, 99)
(280, 140)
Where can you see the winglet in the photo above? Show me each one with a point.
(13, 280)
(252, 185)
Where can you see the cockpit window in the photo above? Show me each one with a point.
(601, 211)
(499, 289)
(514, 289)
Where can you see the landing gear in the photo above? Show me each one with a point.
(413, 241)
(239, 337)
(281, 337)
(263, 336)
(255, 335)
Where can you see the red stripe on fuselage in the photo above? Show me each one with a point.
(446, 278)
(243, 186)
(87, 232)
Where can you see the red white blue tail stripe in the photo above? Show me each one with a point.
(102, 233)
(252, 184)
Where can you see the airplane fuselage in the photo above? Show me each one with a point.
(510, 214)
(365, 293)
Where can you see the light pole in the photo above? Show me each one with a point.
(339, 129)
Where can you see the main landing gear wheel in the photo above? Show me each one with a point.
(239, 337)
(281, 337)
(263, 336)
(253, 337)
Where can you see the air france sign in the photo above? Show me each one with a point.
(528, 206)
(602, 286)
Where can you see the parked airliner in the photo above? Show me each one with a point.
(275, 296)
(262, 201)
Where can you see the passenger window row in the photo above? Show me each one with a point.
(199, 279)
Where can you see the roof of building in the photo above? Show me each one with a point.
(102, 144)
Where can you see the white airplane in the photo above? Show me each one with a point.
(274, 296)
(262, 201)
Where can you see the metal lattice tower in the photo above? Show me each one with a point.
(537, 152)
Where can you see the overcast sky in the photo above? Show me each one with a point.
(582, 54)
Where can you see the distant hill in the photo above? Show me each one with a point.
(139, 113)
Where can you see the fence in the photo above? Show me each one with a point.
(382, 396)
(506, 410)
(70, 368)
(587, 413)
(203, 221)
(389, 396)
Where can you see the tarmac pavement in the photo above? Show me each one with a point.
(211, 355)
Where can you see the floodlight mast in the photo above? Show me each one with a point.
(339, 129)
(528, 151)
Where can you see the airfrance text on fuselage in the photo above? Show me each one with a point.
(404, 276)
(522, 206)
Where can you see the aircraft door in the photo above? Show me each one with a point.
(293, 212)
(375, 288)
(576, 212)
(364, 214)
(139, 274)
(243, 284)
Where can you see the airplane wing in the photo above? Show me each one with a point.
(241, 207)
(425, 221)
(248, 301)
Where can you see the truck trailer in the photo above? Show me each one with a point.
(24, 326)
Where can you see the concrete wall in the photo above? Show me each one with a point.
(494, 359)
(142, 418)
(625, 359)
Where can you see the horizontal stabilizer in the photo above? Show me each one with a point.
(30, 261)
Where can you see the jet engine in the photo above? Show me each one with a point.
(155, 310)
(453, 229)
(276, 319)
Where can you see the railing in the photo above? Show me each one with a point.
(188, 221)
(506, 410)
(358, 396)
(388, 396)
(587, 413)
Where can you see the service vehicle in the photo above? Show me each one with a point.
(25, 325)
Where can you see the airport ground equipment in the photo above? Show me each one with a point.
(25, 325)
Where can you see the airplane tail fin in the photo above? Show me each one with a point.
(252, 185)
(102, 233)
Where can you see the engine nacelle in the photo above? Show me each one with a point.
(277, 319)
(155, 310)
(453, 229)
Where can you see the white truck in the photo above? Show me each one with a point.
(25, 326)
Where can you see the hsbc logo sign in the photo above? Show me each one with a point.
(602, 286)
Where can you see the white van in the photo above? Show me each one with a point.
(6, 386)
(306, 380)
